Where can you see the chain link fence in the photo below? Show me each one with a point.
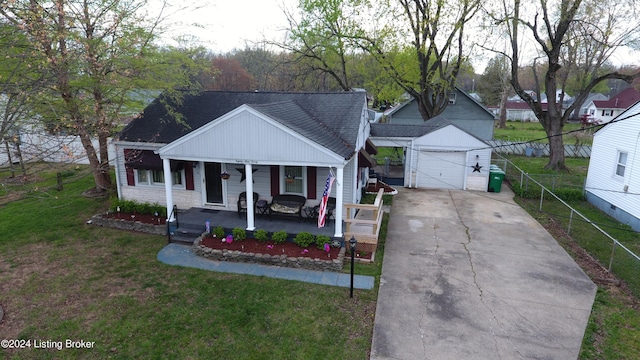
(526, 148)
(551, 193)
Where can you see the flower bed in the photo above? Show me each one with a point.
(286, 254)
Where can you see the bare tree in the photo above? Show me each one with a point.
(570, 41)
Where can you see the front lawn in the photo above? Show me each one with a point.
(63, 279)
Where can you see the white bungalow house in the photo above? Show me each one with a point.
(269, 143)
(603, 111)
(613, 180)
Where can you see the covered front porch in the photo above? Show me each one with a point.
(191, 224)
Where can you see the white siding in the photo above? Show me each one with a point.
(601, 179)
(469, 150)
(440, 170)
(244, 136)
(184, 199)
(247, 136)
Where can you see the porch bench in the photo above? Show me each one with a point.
(287, 205)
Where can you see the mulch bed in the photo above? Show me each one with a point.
(257, 247)
(143, 218)
(388, 190)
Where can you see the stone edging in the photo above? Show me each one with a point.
(274, 260)
(128, 225)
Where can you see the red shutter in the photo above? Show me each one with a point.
(188, 174)
(275, 180)
(131, 179)
(312, 187)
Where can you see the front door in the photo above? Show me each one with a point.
(213, 187)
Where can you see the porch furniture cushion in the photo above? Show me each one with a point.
(284, 209)
(242, 202)
(287, 205)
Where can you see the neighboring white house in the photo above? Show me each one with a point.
(584, 112)
(613, 180)
(603, 111)
(519, 110)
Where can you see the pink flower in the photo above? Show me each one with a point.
(327, 248)
(269, 246)
(305, 251)
(229, 239)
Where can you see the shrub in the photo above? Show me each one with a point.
(279, 237)
(304, 239)
(239, 234)
(321, 240)
(132, 206)
(570, 194)
(218, 232)
(261, 235)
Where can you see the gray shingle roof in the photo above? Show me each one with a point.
(409, 131)
(329, 119)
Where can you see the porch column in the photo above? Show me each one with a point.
(168, 187)
(339, 201)
(248, 170)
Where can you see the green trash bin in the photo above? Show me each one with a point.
(496, 176)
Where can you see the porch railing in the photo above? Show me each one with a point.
(365, 224)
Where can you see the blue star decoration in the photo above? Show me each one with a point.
(477, 167)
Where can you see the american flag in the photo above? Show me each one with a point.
(325, 197)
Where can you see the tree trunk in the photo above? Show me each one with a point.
(502, 119)
(100, 171)
(553, 127)
(6, 145)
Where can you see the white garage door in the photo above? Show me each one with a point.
(441, 170)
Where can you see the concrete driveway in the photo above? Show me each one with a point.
(470, 275)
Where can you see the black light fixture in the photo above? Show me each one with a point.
(352, 246)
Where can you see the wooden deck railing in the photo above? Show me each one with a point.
(365, 224)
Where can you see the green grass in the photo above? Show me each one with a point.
(63, 279)
(613, 331)
(532, 131)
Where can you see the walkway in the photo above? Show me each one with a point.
(471, 275)
(181, 255)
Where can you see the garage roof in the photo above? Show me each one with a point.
(408, 131)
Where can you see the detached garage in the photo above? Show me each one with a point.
(439, 155)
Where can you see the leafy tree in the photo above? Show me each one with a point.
(21, 76)
(573, 37)
(428, 68)
(494, 86)
(418, 43)
(100, 53)
(323, 38)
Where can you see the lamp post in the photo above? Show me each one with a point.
(352, 246)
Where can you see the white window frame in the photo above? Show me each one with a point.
(283, 178)
(620, 165)
(608, 112)
(149, 181)
(452, 98)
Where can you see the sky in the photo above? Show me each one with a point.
(228, 24)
